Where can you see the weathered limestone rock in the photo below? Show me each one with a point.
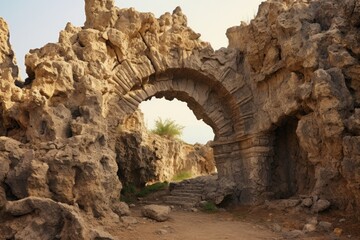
(283, 101)
(146, 157)
(302, 60)
(320, 205)
(121, 209)
(156, 212)
(42, 218)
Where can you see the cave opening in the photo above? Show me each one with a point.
(291, 172)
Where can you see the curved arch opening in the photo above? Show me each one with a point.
(207, 99)
(195, 131)
(145, 158)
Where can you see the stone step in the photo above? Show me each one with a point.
(185, 199)
(185, 193)
(148, 202)
(183, 204)
(190, 184)
(189, 187)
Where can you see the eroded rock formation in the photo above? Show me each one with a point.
(283, 100)
(144, 157)
(305, 61)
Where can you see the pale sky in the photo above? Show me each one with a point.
(33, 23)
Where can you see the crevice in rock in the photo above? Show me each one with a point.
(148, 53)
(10, 196)
(43, 127)
(352, 53)
(78, 180)
(75, 113)
(13, 129)
(291, 172)
(229, 201)
(119, 61)
(69, 132)
(2, 127)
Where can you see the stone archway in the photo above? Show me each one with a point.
(121, 58)
(289, 63)
(206, 100)
(239, 156)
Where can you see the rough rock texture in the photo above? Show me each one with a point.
(43, 218)
(283, 101)
(304, 61)
(156, 212)
(145, 157)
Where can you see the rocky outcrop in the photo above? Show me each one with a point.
(283, 101)
(58, 221)
(303, 60)
(8, 76)
(144, 157)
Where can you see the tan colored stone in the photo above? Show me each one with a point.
(158, 158)
(281, 100)
(156, 212)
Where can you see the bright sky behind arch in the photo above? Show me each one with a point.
(34, 23)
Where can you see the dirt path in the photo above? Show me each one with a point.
(194, 226)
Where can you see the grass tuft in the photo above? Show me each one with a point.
(130, 193)
(181, 176)
(209, 207)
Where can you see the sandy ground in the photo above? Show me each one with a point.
(242, 223)
(194, 226)
(237, 223)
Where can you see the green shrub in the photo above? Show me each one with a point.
(167, 128)
(130, 193)
(209, 207)
(181, 176)
(128, 189)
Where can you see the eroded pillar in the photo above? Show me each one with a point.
(246, 162)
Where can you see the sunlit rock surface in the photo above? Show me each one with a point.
(144, 157)
(282, 100)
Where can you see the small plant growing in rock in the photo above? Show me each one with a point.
(167, 128)
(130, 193)
(209, 207)
(152, 188)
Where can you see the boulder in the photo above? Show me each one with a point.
(309, 228)
(325, 226)
(156, 212)
(127, 220)
(121, 209)
(320, 205)
(307, 202)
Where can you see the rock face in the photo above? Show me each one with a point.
(304, 61)
(145, 157)
(283, 101)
